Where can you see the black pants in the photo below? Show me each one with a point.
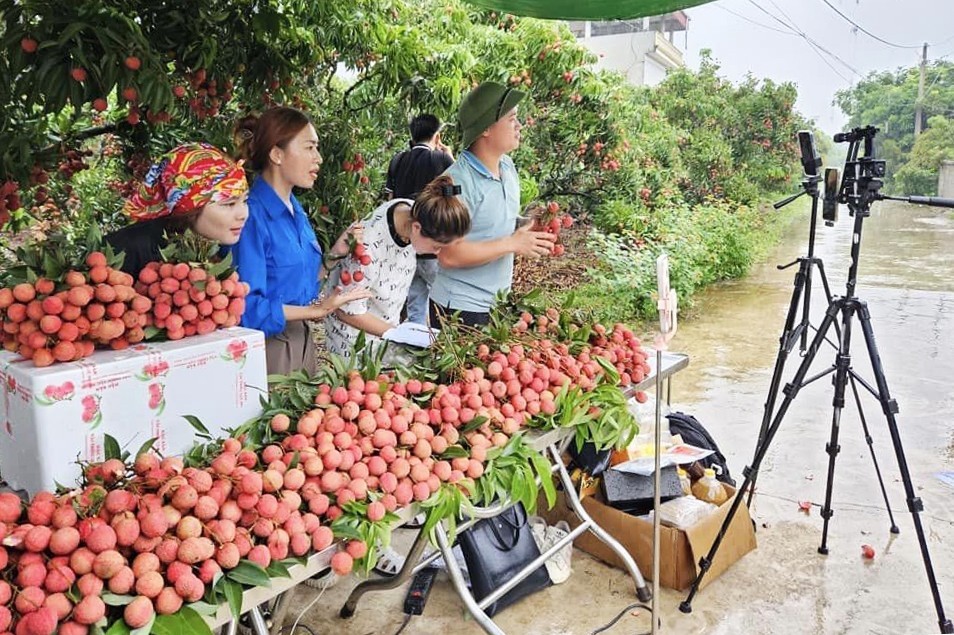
(470, 318)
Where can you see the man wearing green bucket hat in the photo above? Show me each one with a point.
(472, 271)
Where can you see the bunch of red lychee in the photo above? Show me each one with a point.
(188, 300)
(65, 319)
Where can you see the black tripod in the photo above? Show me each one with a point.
(860, 188)
(793, 333)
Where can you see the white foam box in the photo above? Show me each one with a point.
(52, 417)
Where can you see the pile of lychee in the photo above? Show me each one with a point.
(158, 533)
(189, 300)
(66, 318)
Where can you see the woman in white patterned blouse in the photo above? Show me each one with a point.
(385, 262)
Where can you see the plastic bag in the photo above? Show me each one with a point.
(683, 512)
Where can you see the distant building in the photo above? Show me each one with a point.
(945, 180)
(643, 49)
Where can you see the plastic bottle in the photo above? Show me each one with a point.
(709, 489)
(684, 481)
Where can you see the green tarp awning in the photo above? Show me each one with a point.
(586, 9)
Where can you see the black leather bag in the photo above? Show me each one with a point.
(592, 461)
(496, 549)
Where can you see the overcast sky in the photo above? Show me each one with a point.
(743, 47)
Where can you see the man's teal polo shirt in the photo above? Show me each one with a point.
(494, 204)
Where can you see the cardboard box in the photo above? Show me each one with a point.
(51, 417)
(679, 550)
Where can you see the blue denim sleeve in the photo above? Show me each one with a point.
(249, 255)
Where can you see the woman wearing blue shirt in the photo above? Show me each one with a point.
(278, 254)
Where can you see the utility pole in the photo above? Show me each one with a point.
(920, 101)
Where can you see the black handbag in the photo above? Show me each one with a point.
(496, 549)
(592, 461)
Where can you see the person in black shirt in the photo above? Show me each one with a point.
(194, 187)
(409, 171)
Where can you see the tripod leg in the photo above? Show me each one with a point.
(791, 391)
(915, 506)
(840, 381)
(874, 458)
(785, 344)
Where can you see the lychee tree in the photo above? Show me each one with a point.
(108, 86)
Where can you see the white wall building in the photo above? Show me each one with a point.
(643, 49)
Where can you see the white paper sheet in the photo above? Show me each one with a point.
(680, 454)
(411, 333)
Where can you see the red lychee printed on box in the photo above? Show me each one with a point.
(54, 416)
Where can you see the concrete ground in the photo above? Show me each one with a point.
(785, 586)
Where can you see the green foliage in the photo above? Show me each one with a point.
(706, 243)
(888, 99)
(678, 167)
(936, 144)
(518, 472)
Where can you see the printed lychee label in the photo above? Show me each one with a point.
(8, 384)
(94, 448)
(23, 393)
(54, 393)
(92, 414)
(236, 351)
(196, 361)
(241, 390)
(153, 370)
(157, 397)
(158, 432)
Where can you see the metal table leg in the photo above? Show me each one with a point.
(642, 591)
(282, 605)
(231, 628)
(384, 584)
(457, 579)
(258, 622)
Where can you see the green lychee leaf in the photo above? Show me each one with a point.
(112, 599)
(249, 574)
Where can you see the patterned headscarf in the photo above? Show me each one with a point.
(186, 179)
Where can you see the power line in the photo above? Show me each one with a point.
(813, 41)
(866, 31)
(815, 46)
(756, 23)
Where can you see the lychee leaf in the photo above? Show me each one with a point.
(277, 570)
(250, 574)
(119, 627)
(111, 447)
(473, 424)
(295, 560)
(144, 630)
(342, 529)
(455, 452)
(204, 608)
(233, 593)
(198, 426)
(185, 622)
(145, 447)
(112, 599)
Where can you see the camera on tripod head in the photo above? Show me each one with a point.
(862, 179)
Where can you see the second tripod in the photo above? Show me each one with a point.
(860, 188)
